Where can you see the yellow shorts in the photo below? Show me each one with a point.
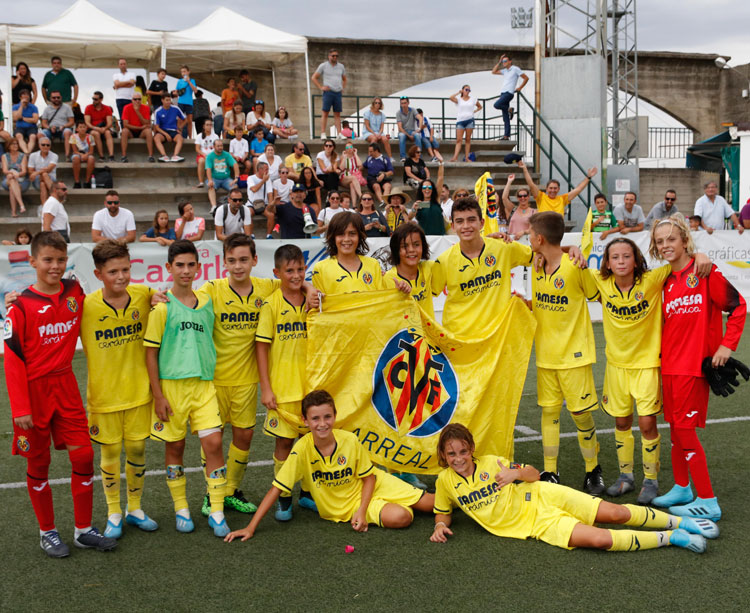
(623, 385)
(574, 385)
(285, 421)
(390, 490)
(559, 508)
(129, 424)
(192, 399)
(237, 404)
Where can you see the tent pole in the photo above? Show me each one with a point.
(164, 51)
(309, 95)
(7, 103)
(275, 99)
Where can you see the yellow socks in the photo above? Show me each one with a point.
(135, 472)
(587, 439)
(110, 468)
(625, 442)
(216, 482)
(651, 450)
(646, 517)
(177, 484)
(551, 437)
(634, 540)
(236, 466)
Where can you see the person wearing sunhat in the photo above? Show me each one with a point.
(395, 208)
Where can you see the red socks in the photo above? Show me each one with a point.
(37, 471)
(688, 455)
(82, 484)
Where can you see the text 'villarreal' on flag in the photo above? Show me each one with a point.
(398, 377)
(484, 189)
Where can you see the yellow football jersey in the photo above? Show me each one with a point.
(335, 482)
(507, 511)
(478, 289)
(235, 321)
(564, 336)
(421, 287)
(285, 327)
(633, 320)
(116, 357)
(330, 277)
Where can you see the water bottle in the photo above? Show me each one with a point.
(20, 276)
(93, 181)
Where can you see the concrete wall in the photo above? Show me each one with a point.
(687, 182)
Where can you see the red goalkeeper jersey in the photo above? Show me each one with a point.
(40, 338)
(692, 319)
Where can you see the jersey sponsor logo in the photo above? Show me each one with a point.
(94, 430)
(191, 325)
(639, 296)
(367, 278)
(284, 312)
(484, 476)
(233, 318)
(684, 304)
(87, 483)
(118, 332)
(7, 329)
(72, 304)
(652, 449)
(480, 280)
(625, 311)
(158, 426)
(44, 309)
(61, 327)
(39, 488)
(228, 302)
(671, 285)
(291, 326)
(341, 460)
(415, 388)
(490, 261)
(23, 444)
(689, 456)
(331, 475)
(559, 282)
(543, 299)
(478, 495)
(103, 318)
(691, 281)
(135, 315)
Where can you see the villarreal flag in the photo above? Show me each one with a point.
(587, 238)
(398, 377)
(487, 199)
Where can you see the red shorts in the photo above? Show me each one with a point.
(685, 400)
(57, 411)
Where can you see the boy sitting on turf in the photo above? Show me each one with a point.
(565, 348)
(40, 333)
(337, 469)
(280, 348)
(183, 388)
(508, 499)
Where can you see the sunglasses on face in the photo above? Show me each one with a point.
(462, 195)
(366, 199)
(113, 202)
(326, 146)
(44, 144)
(523, 195)
(670, 199)
(236, 199)
(427, 187)
(62, 189)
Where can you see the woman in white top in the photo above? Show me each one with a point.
(234, 120)
(282, 125)
(351, 172)
(204, 144)
(467, 106)
(274, 162)
(374, 130)
(326, 166)
(187, 225)
(328, 213)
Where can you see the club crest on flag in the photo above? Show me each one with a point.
(415, 388)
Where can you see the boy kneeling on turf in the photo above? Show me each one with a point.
(508, 499)
(345, 485)
(40, 333)
(180, 358)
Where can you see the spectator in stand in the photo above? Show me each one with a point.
(274, 161)
(375, 223)
(43, 168)
(185, 90)
(466, 105)
(15, 179)
(57, 121)
(60, 80)
(346, 131)
(124, 84)
(427, 132)
(168, 123)
(82, 147)
(240, 151)
(218, 118)
(518, 225)
(234, 120)
(510, 74)
(187, 226)
(157, 88)
(26, 116)
(351, 175)
(415, 170)
(297, 160)
(201, 110)
(257, 146)
(551, 199)
(204, 144)
(290, 215)
(406, 119)
(22, 81)
(98, 120)
(328, 213)
(346, 201)
(663, 209)
(695, 223)
(603, 220)
(258, 118)
(395, 209)
(374, 130)
(233, 217)
(334, 82)
(23, 237)
(260, 190)
(113, 221)
(248, 90)
(282, 125)
(220, 168)
(136, 120)
(282, 187)
(312, 186)
(54, 215)
(427, 205)
(446, 202)
(141, 88)
(229, 95)
(629, 215)
(160, 232)
(379, 172)
(714, 210)
(5, 136)
(745, 215)
(327, 167)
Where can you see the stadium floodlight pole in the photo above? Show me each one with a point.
(8, 103)
(540, 17)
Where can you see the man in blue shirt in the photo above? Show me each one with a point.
(168, 123)
(379, 172)
(185, 90)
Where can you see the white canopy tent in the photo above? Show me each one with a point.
(226, 40)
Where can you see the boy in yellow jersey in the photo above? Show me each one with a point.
(631, 297)
(410, 256)
(118, 394)
(180, 358)
(476, 272)
(281, 351)
(565, 348)
(508, 499)
(337, 469)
